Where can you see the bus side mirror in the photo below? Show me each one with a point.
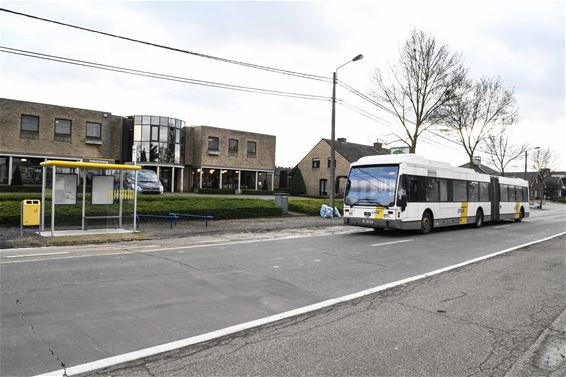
(402, 201)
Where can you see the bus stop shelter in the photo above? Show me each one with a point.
(64, 187)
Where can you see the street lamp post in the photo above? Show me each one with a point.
(530, 149)
(333, 134)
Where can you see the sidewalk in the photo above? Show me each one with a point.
(490, 318)
(10, 237)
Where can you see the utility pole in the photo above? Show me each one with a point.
(333, 134)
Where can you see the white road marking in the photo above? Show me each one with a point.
(502, 226)
(35, 255)
(391, 243)
(146, 352)
(186, 247)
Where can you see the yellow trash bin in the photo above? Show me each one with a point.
(31, 211)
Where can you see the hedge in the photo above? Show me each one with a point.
(257, 192)
(220, 208)
(20, 188)
(216, 191)
(312, 206)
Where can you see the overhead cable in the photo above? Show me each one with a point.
(136, 72)
(176, 49)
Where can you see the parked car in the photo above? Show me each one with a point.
(148, 182)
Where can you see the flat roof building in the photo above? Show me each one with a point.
(185, 158)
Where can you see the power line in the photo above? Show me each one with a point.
(377, 119)
(135, 72)
(225, 60)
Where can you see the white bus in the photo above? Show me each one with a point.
(407, 191)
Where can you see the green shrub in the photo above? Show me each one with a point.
(297, 185)
(20, 188)
(216, 191)
(312, 206)
(220, 208)
(257, 192)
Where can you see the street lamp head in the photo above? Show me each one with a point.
(358, 57)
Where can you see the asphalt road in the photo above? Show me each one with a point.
(71, 305)
(478, 320)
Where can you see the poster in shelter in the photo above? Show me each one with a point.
(66, 189)
(102, 189)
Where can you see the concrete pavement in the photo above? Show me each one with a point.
(473, 321)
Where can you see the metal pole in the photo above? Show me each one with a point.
(120, 194)
(239, 181)
(135, 199)
(43, 179)
(172, 179)
(84, 199)
(333, 144)
(525, 176)
(53, 202)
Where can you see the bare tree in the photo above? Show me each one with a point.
(426, 76)
(542, 161)
(500, 151)
(476, 110)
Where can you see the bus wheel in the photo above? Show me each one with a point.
(479, 219)
(521, 215)
(426, 223)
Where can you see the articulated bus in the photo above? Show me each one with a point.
(407, 191)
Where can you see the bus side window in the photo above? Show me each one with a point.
(443, 184)
(484, 192)
(511, 195)
(413, 189)
(459, 191)
(503, 193)
(473, 192)
(432, 193)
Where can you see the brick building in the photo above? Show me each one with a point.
(184, 158)
(33, 132)
(315, 166)
(230, 159)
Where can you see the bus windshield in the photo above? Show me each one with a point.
(372, 185)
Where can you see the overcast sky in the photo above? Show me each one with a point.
(520, 41)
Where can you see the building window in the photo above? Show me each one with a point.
(93, 130)
(232, 146)
(154, 133)
(213, 144)
(315, 163)
(251, 148)
(30, 123)
(62, 127)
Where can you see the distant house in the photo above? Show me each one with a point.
(315, 166)
(479, 167)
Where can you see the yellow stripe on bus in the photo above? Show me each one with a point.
(379, 212)
(517, 210)
(464, 213)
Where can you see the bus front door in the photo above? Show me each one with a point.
(495, 198)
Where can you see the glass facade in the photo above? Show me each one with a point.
(158, 139)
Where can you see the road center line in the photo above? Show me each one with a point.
(390, 243)
(151, 351)
(35, 255)
(502, 226)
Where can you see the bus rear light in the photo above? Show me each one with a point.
(390, 212)
(398, 214)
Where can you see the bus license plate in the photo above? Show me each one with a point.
(367, 221)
